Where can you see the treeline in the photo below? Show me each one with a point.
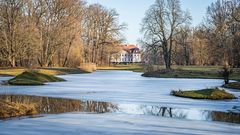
(56, 33)
(169, 38)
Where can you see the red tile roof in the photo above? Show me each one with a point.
(128, 47)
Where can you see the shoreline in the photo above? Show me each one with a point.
(190, 74)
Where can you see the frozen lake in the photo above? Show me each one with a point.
(140, 102)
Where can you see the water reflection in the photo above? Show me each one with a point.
(190, 114)
(47, 105)
(224, 117)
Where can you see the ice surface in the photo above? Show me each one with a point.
(108, 124)
(123, 88)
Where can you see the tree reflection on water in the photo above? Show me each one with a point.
(164, 112)
(49, 105)
(191, 114)
(224, 116)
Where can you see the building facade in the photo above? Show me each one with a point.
(127, 54)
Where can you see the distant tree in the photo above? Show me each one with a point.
(224, 23)
(10, 19)
(160, 26)
(200, 46)
(182, 47)
(102, 31)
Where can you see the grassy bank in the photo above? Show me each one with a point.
(213, 94)
(179, 73)
(10, 109)
(234, 85)
(51, 71)
(208, 72)
(32, 77)
(129, 67)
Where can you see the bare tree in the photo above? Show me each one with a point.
(56, 32)
(102, 31)
(160, 26)
(10, 17)
(223, 17)
(182, 47)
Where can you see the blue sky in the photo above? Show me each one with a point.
(131, 12)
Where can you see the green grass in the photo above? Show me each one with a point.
(213, 94)
(234, 85)
(129, 67)
(208, 72)
(33, 78)
(183, 74)
(188, 68)
(198, 68)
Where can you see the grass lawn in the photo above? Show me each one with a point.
(51, 71)
(206, 72)
(213, 94)
(130, 67)
(11, 71)
(33, 78)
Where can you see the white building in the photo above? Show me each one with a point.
(127, 54)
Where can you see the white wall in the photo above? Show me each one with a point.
(124, 56)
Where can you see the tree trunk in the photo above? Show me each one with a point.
(166, 55)
(13, 62)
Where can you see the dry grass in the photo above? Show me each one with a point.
(88, 67)
(21, 105)
(10, 109)
(49, 71)
(11, 72)
(17, 71)
(130, 67)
